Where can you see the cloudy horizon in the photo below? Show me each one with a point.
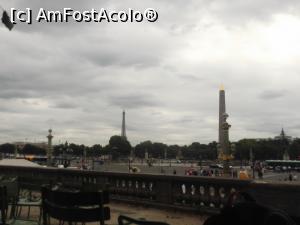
(77, 78)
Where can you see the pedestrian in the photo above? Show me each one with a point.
(174, 172)
(260, 174)
(290, 177)
(295, 177)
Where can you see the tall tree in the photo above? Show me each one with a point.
(95, 151)
(242, 149)
(119, 147)
(294, 150)
(142, 147)
(33, 150)
(7, 148)
(158, 150)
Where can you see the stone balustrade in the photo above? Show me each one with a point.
(201, 194)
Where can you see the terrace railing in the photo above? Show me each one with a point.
(201, 194)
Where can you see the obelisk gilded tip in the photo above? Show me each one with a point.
(222, 87)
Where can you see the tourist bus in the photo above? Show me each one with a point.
(283, 165)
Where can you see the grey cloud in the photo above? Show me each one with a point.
(65, 105)
(239, 12)
(177, 16)
(77, 78)
(6, 94)
(134, 101)
(272, 94)
(191, 77)
(107, 57)
(51, 28)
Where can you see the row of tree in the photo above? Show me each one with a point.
(119, 147)
(267, 149)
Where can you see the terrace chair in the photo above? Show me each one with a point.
(12, 191)
(67, 206)
(28, 196)
(242, 208)
(4, 199)
(125, 220)
(3, 204)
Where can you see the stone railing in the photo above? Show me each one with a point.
(182, 192)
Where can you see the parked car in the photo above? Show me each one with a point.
(216, 166)
(277, 169)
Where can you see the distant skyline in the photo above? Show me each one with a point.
(77, 78)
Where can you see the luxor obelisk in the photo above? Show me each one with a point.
(224, 151)
(49, 148)
(222, 110)
(123, 131)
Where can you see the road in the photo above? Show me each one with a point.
(167, 169)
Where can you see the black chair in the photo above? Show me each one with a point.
(125, 220)
(29, 195)
(64, 205)
(3, 204)
(12, 191)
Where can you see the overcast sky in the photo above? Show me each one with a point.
(76, 78)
